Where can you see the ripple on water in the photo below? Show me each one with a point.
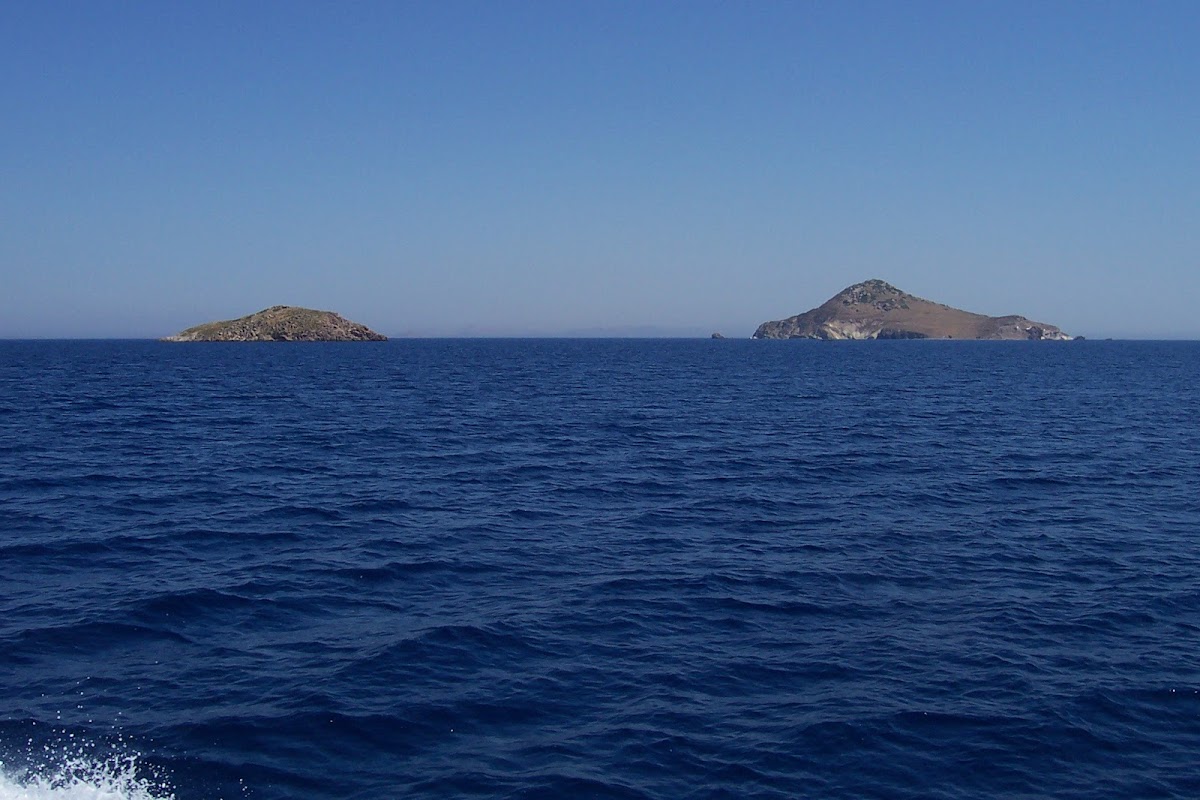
(603, 569)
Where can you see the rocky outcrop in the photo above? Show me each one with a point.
(877, 310)
(281, 324)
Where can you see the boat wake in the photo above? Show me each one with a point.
(74, 776)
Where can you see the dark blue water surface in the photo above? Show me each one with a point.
(610, 569)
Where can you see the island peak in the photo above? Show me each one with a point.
(875, 309)
(281, 324)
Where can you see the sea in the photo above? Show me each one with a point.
(555, 568)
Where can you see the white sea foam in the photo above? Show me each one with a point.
(78, 778)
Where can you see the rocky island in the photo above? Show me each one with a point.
(281, 324)
(877, 310)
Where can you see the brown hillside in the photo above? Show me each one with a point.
(281, 324)
(875, 309)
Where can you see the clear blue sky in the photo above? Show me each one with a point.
(525, 167)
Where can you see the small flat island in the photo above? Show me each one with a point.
(877, 310)
(281, 324)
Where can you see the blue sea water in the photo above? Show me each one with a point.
(599, 569)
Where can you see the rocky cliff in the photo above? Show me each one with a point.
(877, 310)
(281, 324)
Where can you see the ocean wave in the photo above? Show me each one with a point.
(67, 766)
(645, 570)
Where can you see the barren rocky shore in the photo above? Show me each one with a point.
(281, 324)
(875, 309)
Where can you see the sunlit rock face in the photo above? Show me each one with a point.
(281, 324)
(875, 309)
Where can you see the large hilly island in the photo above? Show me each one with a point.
(281, 324)
(877, 310)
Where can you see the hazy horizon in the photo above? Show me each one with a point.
(542, 169)
(634, 331)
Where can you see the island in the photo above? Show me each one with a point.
(875, 309)
(281, 324)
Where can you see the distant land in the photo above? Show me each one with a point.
(875, 309)
(281, 324)
(645, 331)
